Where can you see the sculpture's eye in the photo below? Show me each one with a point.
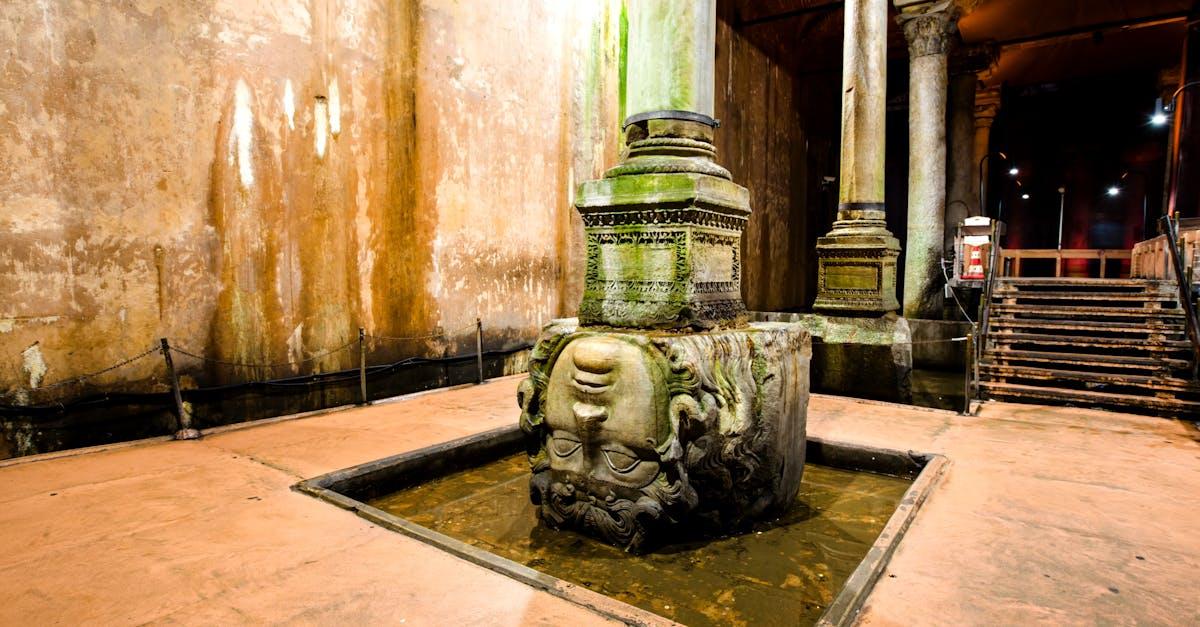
(564, 446)
(620, 461)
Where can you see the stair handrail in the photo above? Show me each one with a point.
(1185, 289)
(985, 307)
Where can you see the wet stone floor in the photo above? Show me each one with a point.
(781, 572)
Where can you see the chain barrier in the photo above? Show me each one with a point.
(470, 327)
(912, 342)
(334, 351)
(91, 375)
(300, 381)
(948, 340)
(239, 364)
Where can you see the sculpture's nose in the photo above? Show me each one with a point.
(595, 360)
(597, 355)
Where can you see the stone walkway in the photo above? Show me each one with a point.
(1048, 515)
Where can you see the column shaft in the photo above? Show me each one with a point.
(926, 29)
(864, 103)
(671, 56)
(856, 261)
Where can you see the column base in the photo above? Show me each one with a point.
(854, 356)
(856, 271)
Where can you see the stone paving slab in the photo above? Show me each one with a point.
(209, 532)
(1047, 516)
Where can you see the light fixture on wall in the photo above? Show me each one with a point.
(1012, 171)
(1024, 196)
(1159, 117)
(1162, 111)
(1114, 191)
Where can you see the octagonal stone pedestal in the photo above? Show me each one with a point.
(662, 248)
(633, 432)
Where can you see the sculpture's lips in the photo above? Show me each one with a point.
(591, 383)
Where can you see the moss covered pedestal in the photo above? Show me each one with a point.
(663, 232)
(634, 432)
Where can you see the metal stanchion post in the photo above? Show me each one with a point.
(185, 431)
(362, 365)
(479, 347)
(968, 360)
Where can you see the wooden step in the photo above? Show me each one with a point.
(1151, 328)
(1015, 391)
(1149, 382)
(1084, 282)
(1077, 296)
(1147, 363)
(1093, 342)
(1059, 311)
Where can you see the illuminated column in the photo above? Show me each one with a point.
(856, 271)
(927, 29)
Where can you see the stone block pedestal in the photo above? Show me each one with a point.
(662, 237)
(860, 357)
(856, 267)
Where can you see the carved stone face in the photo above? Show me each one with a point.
(605, 416)
(632, 433)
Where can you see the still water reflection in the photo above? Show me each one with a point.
(781, 572)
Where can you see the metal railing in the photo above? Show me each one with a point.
(1184, 282)
(980, 330)
(1012, 258)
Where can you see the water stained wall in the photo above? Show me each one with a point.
(256, 180)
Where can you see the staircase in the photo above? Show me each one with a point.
(1117, 343)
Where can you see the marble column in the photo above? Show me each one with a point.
(670, 50)
(856, 261)
(927, 29)
(987, 105)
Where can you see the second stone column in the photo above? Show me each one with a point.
(927, 28)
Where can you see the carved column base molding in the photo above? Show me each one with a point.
(663, 230)
(856, 271)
